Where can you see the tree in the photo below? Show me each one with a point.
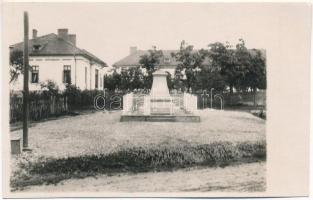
(208, 79)
(190, 62)
(111, 82)
(177, 80)
(150, 62)
(116, 80)
(125, 80)
(255, 77)
(170, 81)
(16, 64)
(230, 62)
(136, 78)
(243, 58)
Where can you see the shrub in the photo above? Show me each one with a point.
(139, 159)
(80, 99)
(50, 88)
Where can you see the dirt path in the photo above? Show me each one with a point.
(246, 177)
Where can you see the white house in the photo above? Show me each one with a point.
(56, 57)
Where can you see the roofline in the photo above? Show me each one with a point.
(31, 39)
(130, 65)
(83, 55)
(114, 65)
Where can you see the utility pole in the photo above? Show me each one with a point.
(25, 86)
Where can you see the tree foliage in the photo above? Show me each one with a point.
(241, 68)
(150, 62)
(255, 76)
(222, 67)
(16, 64)
(128, 79)
(50, 87)
(190, 62)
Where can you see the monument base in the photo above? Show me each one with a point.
(159, 118)
(161, 106)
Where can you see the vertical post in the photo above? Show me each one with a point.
(25, 86)
(105, 99)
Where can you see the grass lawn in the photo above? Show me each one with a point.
(103, 133)
(94, 144)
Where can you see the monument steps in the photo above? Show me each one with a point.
(160, 118)
(160, 113)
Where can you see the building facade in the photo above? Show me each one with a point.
(56, 57)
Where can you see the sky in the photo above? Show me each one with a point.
(108, 29)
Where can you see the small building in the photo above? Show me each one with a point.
(56, 57)
(167, 62)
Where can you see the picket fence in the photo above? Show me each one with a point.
(38, 109)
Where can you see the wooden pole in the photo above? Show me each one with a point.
(26, 89)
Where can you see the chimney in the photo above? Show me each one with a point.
(72, 38)
(35, 33)
(63, 33)
(132, 50)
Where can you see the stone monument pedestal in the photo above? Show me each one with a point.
(159, 105)
(160, 99)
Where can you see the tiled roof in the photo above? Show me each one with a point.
(166, 60)
(52, 45)
(133, 59)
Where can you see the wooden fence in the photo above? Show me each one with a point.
(38, 109)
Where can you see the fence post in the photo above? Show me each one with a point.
(65, 103)
(51, 105)
(146, 105)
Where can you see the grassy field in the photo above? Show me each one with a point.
(94, 144)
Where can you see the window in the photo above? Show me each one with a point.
(96, 78)
(167, 60)
(86, 77)
(35, 74)
(36, 47)
(67, 74)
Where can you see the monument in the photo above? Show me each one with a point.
(160, 99)
(160, 105)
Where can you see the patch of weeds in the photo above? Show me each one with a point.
(135, 160)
